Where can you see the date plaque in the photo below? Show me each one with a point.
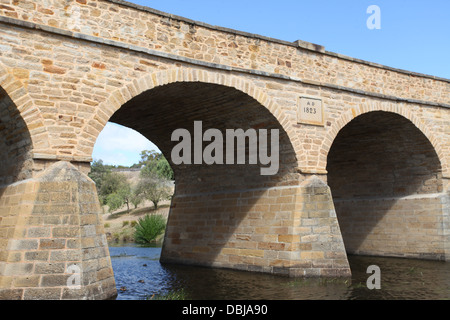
(310, 111)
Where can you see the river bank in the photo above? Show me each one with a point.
(119, 225)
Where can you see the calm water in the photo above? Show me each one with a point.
(139, 270)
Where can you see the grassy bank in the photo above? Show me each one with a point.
(119, 225)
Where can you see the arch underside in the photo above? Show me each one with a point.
(158, 112)
(386, 181)
(212, 204)
(15, 143)
(400, 109)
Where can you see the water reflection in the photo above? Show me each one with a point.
(139, 273)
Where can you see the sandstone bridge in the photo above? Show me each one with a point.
(367, 173)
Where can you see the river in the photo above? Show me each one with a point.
(139, 274)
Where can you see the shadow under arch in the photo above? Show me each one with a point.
(401, 110)
(386, 180)
(28, 115)
(15, 167)
(130, 90)
(15, 143)
(214, 206)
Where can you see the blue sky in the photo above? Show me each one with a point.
(414, 35)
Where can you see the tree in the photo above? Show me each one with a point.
(124, 192)
(111, 183)
(149, 159)
(136, 197)
(153, 162)
(114, 202)
(116, 191)
(164, 169)
(154, 184)
(150, 156)
(154, 187)
(98, 173)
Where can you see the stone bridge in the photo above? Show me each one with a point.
(364, 149)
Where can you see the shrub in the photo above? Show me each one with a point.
(133, 223)
(148, 228)
(125, 223)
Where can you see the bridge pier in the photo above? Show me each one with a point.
(289, 230)
(53, 244)
(445, 200)
(388, 188)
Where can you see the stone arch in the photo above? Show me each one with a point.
(15, 140)
(386, 182)
(16, 90)
(400, 109)
(211, 203)
(180, 74)
(15, 143)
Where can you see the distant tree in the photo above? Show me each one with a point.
(154, 187)
(111, 183)
(114, 201)
(136, 197)
(149, 156)
(115, 191)
(98, 174)
(164, 169)
(154, 182)
(153, 162)
(125, 193)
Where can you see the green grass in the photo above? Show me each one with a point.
(171, 295)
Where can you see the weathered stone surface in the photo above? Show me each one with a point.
(50, 258)
(63, 78)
